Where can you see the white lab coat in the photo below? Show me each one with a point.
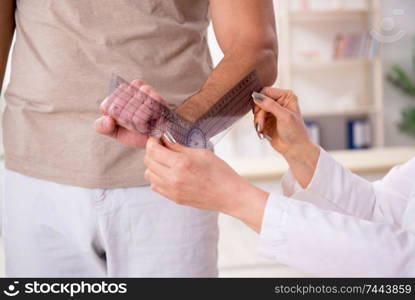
(342, 225)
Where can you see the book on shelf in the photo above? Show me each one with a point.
(355, 46)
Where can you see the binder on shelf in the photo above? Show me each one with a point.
(359, 134)
(313, 129)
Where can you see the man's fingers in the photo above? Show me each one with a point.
(149, 90)
(105, 125)
(130, 138)
(103, 107)
(137, 83)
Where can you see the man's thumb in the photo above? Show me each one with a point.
(105, 125)
(267, 104)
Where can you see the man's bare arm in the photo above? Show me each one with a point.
(245, 30)
(7, 26)
(246, 33)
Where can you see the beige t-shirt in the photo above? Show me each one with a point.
(62, 62)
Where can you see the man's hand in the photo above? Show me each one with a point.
(126, 113)
(277, 114)
(198, 178)
(106, 125)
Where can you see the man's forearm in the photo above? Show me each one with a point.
(7, 26)
(234, 67)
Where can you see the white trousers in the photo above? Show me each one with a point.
(55, 230)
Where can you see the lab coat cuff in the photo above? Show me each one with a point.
(318, 187)
(323, 175)
(273, 233)
(290, 185)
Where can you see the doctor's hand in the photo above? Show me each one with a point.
(198, 178)
(277, 115)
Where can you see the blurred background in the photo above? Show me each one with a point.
(352, 65)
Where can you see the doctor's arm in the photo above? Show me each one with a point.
(315, 177)
(327, 243)
(293, 232)
(7, 26)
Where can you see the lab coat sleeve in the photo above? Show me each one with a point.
(335, 188)
(326, 243)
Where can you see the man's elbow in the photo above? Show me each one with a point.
(267, 65)
(260, 54)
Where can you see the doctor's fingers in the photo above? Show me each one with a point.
(285, 98)
(270, 127)
(161, 154)
(259, 120)
(155, 167)
(271, 106)
(158, 184)
(169, 188)
(152, 178)
(270, 112)
(167, 192)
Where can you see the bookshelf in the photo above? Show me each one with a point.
(373, 161)
(339, 63)
(302, 24)
(361, 111)
(350, 87)
(326, 15)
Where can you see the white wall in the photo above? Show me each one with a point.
(399, 52)
(215, 51)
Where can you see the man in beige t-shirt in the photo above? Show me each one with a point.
(76, 203)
